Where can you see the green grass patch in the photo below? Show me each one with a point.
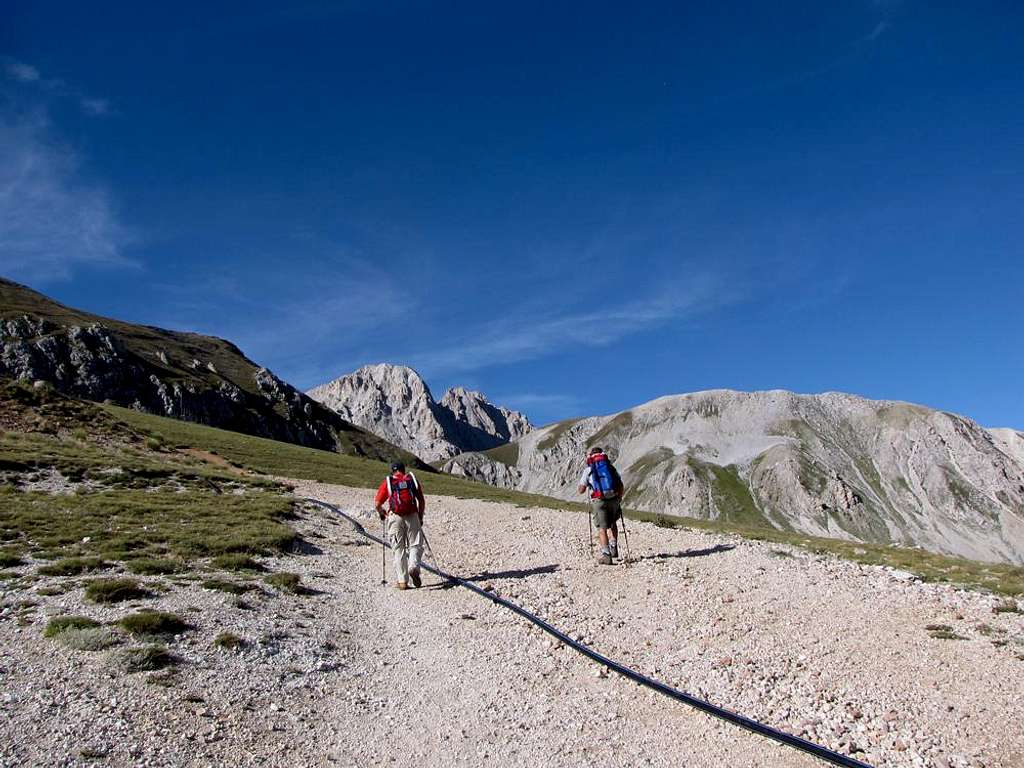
(73, 566)
(1007, 606)
(507, 454)
(153, 624)
(147, 658)
(115, 591)
(945, 634)
(286, 582)
(89, 639)
(228, 641)
(236, 562)
(61, 624)
(10, 560)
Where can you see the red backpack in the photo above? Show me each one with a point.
(402, 494)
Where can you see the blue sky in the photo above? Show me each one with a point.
(574, 208)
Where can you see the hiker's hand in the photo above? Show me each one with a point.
(380, 514)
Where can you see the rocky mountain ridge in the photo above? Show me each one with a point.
(395, 403)
(831, 465)
(182, 375)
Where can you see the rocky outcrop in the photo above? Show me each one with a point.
(394, 402)
(180, 375)
(1010, 442)
(830, 465)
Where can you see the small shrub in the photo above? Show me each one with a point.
(154, 443)
(89, 639)
(167, 678)
(988, 630)
(80, 434)
(63, 623)
(231, 587)
(938, 627)
(10, 560)
(193, 698)
(236, 562)
(286, 582)
(228, 641)
(50, 591)
(153, 623)
(945, 634)
(114, 590)
(1008, 606)
(92, 753)
(153, 566)
(73, 566)
(147, 658)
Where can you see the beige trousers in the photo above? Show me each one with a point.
(406, 538)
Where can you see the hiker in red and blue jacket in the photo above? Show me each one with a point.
(406, 505)
(606, 489)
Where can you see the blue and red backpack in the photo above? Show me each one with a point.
(604, 480)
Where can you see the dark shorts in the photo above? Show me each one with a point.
(606, 512)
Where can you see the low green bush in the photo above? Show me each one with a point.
(73, 566)
(153, 624)
(115, 590)
(61, 624)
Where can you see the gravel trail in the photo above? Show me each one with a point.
(358, 674)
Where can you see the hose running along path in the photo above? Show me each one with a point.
(823, 753)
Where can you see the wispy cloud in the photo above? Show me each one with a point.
(51, 218)
(53, 87)
(880, 29)
(20, 71)
(516, 338)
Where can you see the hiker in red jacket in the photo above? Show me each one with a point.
(406, 506)
(606, 489)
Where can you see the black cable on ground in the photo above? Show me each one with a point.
(828, 755)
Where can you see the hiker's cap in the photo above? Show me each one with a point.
(397, 466)
(595, 449)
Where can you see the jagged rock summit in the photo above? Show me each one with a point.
(394, 402)
(831, 465)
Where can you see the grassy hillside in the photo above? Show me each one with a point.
(172, 476)
(190, 376)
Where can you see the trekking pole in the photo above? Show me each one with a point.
(625, 535)
(590, 530)
(383, 550)
(426, 541)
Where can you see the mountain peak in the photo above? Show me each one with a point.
(394, 400)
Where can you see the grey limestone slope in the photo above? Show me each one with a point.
(1010, 442)
(395, 403)
(829, 465)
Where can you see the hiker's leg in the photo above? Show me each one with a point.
(415, 542)
(613, 532)
(602, 536)
(398, 534)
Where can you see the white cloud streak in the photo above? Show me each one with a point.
(51, 220)
(23, 73)
(516, 338)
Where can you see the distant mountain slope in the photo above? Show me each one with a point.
(394, 402)
(830, 465)
(1010, 442)
(183, 375)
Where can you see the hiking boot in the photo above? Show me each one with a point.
(401, 585)
(416, 580)
(605, 559)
